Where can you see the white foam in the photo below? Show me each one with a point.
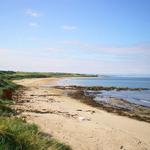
(145, 101)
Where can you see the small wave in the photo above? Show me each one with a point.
(145, 101)
(138, 99)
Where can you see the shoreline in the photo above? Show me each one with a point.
(36, 82)
(114, 105)
(99, 91)
(77, 124)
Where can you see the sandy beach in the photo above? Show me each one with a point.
(81, 126)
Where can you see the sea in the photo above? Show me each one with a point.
(137, 97)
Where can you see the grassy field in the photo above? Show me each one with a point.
(15, 133)
(21, 75)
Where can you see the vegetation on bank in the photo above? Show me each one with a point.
(20, 75)
(15, 133)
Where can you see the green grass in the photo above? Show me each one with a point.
(16, 134)
(6, 110)
(5, 83)
(5, 103)
(21, 75)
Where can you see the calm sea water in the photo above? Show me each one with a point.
(138, 97)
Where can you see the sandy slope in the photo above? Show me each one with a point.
(79, 125)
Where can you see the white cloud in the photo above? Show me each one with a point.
(69, 28)
(58, 59)
(143, 48)
(33, 24)
(32, 13)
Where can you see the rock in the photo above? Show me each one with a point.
(84, 119)
(79, 109)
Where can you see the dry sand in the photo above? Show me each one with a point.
(81, 126)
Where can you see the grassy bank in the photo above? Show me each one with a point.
(15, 133)
(21, 75)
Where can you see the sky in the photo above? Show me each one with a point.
(82, 36)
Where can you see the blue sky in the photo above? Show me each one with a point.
(85, 36)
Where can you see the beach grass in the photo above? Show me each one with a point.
(5, 110)
(16, 134)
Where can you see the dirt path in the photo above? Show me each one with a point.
(79, 125)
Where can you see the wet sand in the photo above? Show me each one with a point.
(81, 126)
